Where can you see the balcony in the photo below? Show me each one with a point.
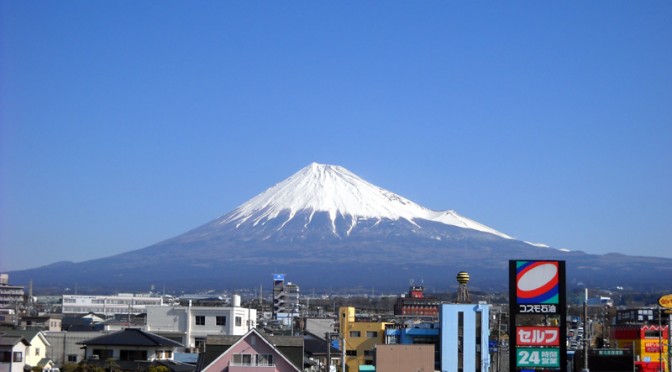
(251, 367)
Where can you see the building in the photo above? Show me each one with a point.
(128, 349)
(122, 303)
(393, 358)
(320, 352)
(464, 337)
(416, 333)
(415, 304)
(253, 351)
(11, 296)
(13, 353)
(359, 338)
(65, 346)
(191, 325)
(36, 352)
(48, 322)
(285, 299)
(648, 343)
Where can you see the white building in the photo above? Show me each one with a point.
(190, 325)
(122, 303)
(13, 353)
(11, 296)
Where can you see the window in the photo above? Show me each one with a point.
(37, 351)
(351, 352)
(200, 319)
(368, 353)
(199, 343)
(5, 356)
(355, 334)
(18, 356)
(371, 334)
(242, 359)
(164, 354)
(133, 355)
(239, 321)
(264, 359)
(103, 354)
(221, 320)
(72, 358)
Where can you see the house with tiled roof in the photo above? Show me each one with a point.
(128, 348)
(36, 352)
(250, 352)
(12, 353)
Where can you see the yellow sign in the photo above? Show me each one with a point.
(666, 301)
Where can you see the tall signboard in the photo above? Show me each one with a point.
(537, 315)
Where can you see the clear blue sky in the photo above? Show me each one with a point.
(124, 123)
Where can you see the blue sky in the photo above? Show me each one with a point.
(124, 123)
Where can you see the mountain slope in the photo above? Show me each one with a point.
(326, 227)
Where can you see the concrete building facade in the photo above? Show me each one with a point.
(464, 337)
(359, 338)
(122, 303)
(190, 325)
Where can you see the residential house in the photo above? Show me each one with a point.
(35, 354)
(48, 322)
(319, 352)
(12, 353)
(65, 346)
(129, 347)
(252, 352)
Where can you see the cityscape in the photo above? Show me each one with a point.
(335, 186)
(282, 328)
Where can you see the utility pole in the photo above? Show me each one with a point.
(586, 342)
(499, 341)
(327, 337)
(660, 339)
(343, 353)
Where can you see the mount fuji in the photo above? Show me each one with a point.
(325, 227)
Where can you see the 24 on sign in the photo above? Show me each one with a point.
(538, 357)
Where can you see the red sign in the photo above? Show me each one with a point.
(538, 336)
(652, 347)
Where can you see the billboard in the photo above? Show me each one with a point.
(537, 315)
(537, 286)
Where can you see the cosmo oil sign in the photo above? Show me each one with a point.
(537, 286)
(538, 314)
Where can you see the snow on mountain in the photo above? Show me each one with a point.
(339, 192)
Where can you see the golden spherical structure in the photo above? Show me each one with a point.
(462, 277)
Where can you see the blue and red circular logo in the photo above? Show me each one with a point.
(537, 282)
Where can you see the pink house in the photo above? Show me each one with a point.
(251, 353)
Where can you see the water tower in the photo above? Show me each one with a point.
(462, 290)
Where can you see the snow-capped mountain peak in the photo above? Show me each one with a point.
(339, 192)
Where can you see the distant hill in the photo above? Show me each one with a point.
(325, 227)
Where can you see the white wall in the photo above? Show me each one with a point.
(173, 320)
